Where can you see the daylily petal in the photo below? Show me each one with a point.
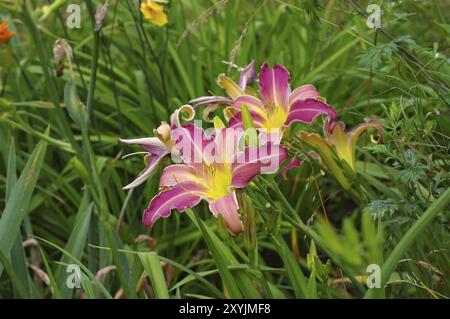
(152, 161)
(307, 110)
(191, 141)
(210, 100)
(228, 207)
(327, 155)
(368, 123)
(177, 174)
(345, 142)
(248, 75)
(207, 111)
(233, 90)
(236, 120)
(228, 112)
(253, 161)
(292, 164)
(227, 143)
(188, 115)
(274, 84)
(303, 92)
(253, 104)
(179, 197)
(164, 133)
(342, 143)
(152, 145)
(271, 156)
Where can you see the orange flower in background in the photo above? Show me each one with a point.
(154, 12)
(5, 33)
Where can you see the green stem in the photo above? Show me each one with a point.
(94, 64)
(296, 221)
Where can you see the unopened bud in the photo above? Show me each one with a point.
(249, 218)
(163, 132)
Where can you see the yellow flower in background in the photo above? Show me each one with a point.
(5, 33)
(154, 12)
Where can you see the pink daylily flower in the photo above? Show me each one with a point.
(277, 106)
(211, 176)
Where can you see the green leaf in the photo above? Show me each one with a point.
(407, 240)
(21, 289)
(53, 283)
(17, 204)
(11, 174)
(18, 260)
(73, 104)
(151, 263)
(87, 286)
(238, 286)
(295, 274)
(75, 260)
(75, 244)
(311, 290)
(247, 118)
(121, 262)
(249, 126)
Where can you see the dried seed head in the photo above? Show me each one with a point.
(100, 14)
(60, 48)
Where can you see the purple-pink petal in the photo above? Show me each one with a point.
(274, 86)
(228, 207)
(182, 111)
(292, 164)
(191, 141)
(252, 161)
(245, 167)
(226, 144)
(153, 145)
(210, 100)
(177, 174)
(152, 161)
(303, 92)
(179, 197)
(248, 75)
(307, 110)
(253, 104)
(271, 157)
